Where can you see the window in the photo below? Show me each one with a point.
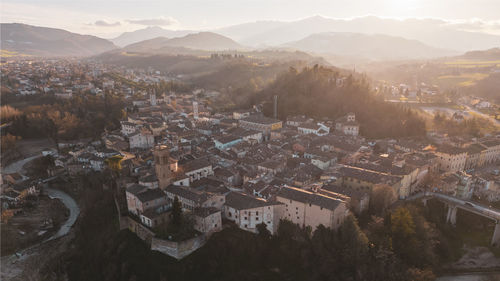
(257, 213)
(256, 218)
(246, 225)
(246, 218)
(229, 214)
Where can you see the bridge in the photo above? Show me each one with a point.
(455, 203)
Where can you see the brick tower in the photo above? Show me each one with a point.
(162, 165)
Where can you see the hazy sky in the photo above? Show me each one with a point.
(108, 18)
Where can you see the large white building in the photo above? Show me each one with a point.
(247, 212)
(143, 139)
(306, 208)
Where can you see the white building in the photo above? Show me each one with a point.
(247, 212)
(143, 139)
(347, 125)
(312, 209)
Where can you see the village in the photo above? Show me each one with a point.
(175, 156)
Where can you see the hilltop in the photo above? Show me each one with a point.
(43, 41)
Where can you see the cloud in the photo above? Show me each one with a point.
(106, 24)
(158, 21)
(476, 25)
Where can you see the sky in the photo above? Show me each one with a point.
(109, 18)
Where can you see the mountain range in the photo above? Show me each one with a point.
(367, 38)
(433, 32)
(368, 47)
(43, 41)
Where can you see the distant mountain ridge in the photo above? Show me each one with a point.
(432, 32)
(147, 33)
(44, 41)
(490, 54)
(375, 47)
(208, 41)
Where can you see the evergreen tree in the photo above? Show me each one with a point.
(176, 212)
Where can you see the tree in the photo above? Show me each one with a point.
(176, 212)
(263, 232)
(382, 197)
(353, 241)
(403, 234)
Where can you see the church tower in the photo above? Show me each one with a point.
(162, 165)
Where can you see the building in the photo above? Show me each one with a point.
(476, 155)
(450, 158)
(143, 139)
(198, 169)
(163, 167)
(225, 142)
(311, 128)
(141, 199)
(359, 201)
(347, 125)
(247, 212)
(191, 198)
(464, 187)
(261, 124)
(207, 219)
(310, 209)
(492, 153)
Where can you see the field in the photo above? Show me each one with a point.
(461, 80)
(472, 63)
(10, 54)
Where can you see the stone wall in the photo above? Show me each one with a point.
(180, 249)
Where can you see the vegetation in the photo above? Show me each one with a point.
(83, 116)
(180, 227)
(299, 93)
(471, 126)
(382, 251)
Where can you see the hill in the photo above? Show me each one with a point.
(375, 47)
(313, 92)
(196, 41)
(147, 33)
(432, 32)
(491, 54)
(43, 41)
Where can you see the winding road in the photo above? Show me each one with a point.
(18, 165)
(74, 211)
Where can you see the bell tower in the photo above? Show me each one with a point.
(162, 165)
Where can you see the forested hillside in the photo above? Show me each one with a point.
(314, 92)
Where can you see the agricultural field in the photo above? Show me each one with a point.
(460, 80)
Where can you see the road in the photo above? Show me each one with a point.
(18, 165)
(73, 208)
